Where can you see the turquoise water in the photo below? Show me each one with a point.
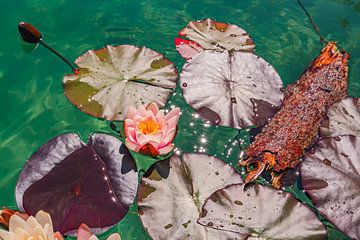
(34, 108)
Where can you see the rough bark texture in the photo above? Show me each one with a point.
(295, 126)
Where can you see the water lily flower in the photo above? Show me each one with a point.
(85, 233)
(23, 227)
(5, 215)
(149, 131)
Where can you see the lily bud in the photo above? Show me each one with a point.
(29, 33)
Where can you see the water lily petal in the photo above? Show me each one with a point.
(6, 235)
(21, 234)
(93, 237)
(49, 231)
(131, 111)
(166, 149)
(155, 138)
(43, 218)
(172, 122)
(130, 133)
(114, 236)
(142, 111)
(169, 137)
(132, 145)
(17, 222)
(58, 236)
(153, 107)
(129, 123)
(139, 118)
(84, 232)
(172, 113)
(141, 138)
(38, 231)
(160, 116)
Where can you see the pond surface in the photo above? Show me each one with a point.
(34, 108)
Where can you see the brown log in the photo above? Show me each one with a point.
(293, 129)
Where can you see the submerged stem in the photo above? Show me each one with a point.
(322, 39)
(58, 54)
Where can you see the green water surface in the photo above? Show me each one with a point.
(35, 110)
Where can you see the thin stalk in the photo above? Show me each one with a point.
(58, 54)
(322, 39)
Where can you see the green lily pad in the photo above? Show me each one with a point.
(112, 78)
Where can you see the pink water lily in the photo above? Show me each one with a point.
(149, 131)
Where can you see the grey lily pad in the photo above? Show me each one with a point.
(172, 193)
(210, 34)
(112, 78)
(343, 118)
(79, 183)
(331, 176)
(242, 88)
(261, 212)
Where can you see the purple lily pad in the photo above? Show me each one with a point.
(331, 176)
(241, 88)
(172, 193)
(78, 183)
(260, 212)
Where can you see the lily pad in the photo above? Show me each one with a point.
(331, 177)
(78, 183)
(112, 78)
(343, 118)
(242, 88)
(213, 35)
(261, 212)
(187, 48)
(172, 192)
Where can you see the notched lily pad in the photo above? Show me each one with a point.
(331, 176)
(261, 212)
(112, 78)
(242, 88)
(343, 118)
(78, 183)
(212, 35)
(172, 192)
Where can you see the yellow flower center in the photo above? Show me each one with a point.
(149, 126)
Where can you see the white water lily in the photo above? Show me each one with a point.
(39, 227)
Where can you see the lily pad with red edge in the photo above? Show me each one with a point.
(78, 183)
(112, 78)
(187, 48)
(241, 88)
(260, 212)
(173, 191)
(343, 118)
(330, 176)
(212, 35)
